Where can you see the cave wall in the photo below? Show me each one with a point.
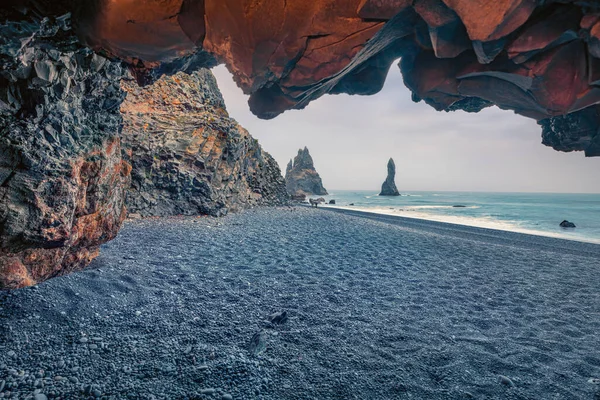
(539, 58)
(62, 178)
(65, 164)
(188, 156)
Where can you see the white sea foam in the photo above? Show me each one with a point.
(434, 207)
(478, 222)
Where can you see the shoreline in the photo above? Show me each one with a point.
(378, 307)
(523, 231)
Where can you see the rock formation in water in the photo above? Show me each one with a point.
(388, 188)
(188, 156)
(538, 58)
(62, 179)
(301, 177)
(567, 224)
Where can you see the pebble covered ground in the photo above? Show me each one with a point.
(376, 308)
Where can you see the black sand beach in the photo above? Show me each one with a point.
(378, 308)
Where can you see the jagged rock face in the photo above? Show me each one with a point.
(538, 58)
(188, 156)
(388, 188)
(62, 179)
(301, 177)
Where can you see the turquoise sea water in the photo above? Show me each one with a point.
(535, 213)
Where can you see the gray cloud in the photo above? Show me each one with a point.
(352, 137)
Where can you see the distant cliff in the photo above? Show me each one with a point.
(301, 176)
(188, 156)
(388, 188)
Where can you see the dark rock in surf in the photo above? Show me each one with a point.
(389, 186)
(567, 224)
(458, 206)
(331, 201)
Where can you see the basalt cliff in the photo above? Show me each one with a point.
(301, 177)
(188, 156)
(63, 179)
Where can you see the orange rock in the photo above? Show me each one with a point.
(381, 9)
(491, 20)
(149, 30)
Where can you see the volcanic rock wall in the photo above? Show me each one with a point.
(188, 156)
(62, 179)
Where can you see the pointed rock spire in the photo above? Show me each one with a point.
(301, 176)
(389, 186)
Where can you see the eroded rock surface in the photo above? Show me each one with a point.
(188, 156)
(538, 58)
(301, 177)
(388, 188)
(62, 179)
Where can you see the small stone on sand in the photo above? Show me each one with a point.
(505, 380)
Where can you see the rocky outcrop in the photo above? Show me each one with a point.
(188, 156)
(538, 58)
(567, 224)
(62, 179)
(388, 188)
(301, 177)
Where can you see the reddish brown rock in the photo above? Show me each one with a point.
(63, 220)
(491, 20)
(536, 59)
(62, 178)
(381, 9)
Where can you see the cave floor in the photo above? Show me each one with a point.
(378, 308)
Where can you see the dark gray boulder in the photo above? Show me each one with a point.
(567, 224)
(389, 186)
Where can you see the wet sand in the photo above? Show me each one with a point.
(379, 307)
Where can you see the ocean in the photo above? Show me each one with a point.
(533, 213)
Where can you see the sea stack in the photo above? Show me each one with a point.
(301, 178)
(389, 186)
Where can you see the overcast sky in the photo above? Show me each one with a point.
(351, 139)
